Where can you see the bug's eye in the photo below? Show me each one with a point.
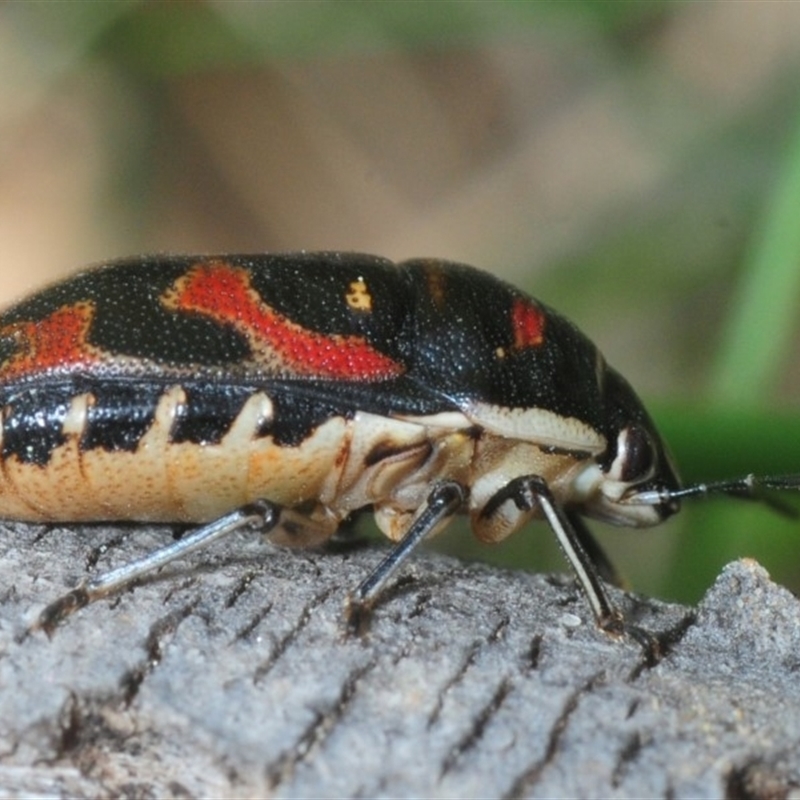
(636, 455)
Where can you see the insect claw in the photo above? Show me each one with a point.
(615, 626)
(357, 616)
(651, 645)
(612, 623)
(57, 611)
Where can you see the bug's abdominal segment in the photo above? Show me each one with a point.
(28, 489)
(157, 476)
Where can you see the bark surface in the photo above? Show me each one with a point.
(230, 675)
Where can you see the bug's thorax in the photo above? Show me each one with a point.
(462, 452)
(499, 461)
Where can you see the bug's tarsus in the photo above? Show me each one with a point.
(652, 648)
(357, 617)
(59, 609)
(587, 558)
(444, 500)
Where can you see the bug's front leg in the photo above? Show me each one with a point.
(270, 518)
(595, 552)
(529, 492)
(444, 500)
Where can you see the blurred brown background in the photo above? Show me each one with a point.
(615, 159)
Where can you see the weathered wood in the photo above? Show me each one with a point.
(230, 675)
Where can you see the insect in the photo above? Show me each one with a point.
(291, 391)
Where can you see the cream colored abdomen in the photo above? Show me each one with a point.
(166, 481)
(342, 465)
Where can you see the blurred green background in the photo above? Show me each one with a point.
(635, 165)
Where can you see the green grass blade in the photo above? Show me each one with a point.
(765, 306)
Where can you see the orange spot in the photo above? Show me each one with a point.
(224, 293)
(527, 322)
(55, 342)
(358, 296)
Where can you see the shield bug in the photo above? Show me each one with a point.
(291, 391)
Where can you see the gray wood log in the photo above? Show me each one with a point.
(229, 675)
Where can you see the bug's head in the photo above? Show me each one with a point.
(634, 481)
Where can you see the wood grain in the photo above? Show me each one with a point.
(230, 675)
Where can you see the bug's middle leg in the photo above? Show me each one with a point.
(444, 500)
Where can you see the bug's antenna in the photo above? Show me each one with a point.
(747, 487)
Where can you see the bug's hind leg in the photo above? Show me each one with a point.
(444, 500)
(269, 517)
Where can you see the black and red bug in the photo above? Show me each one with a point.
(290, 391)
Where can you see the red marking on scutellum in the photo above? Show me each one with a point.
(527, 322)
(224, 293)
(59, 341)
